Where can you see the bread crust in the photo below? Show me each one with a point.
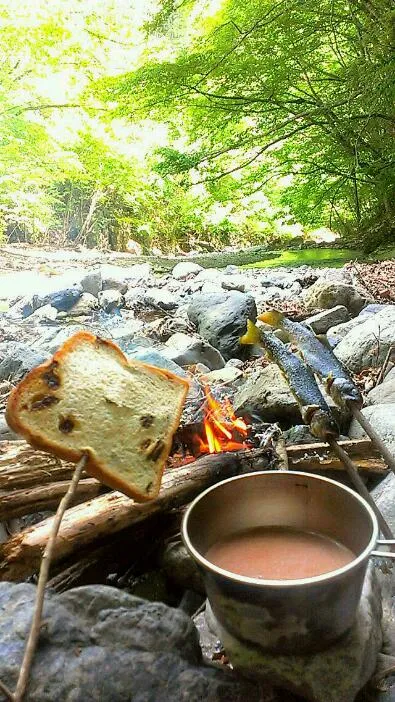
(93, 465)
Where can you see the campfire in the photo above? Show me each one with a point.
(223, 431)
(210, 426)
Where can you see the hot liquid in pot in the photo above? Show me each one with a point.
(279, 553)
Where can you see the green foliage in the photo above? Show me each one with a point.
(236, 123)
(295, 89)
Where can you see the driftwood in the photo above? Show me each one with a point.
(111, 513)
(16, 503)
(21, 466)
(319, 457)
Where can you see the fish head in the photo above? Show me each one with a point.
(343, 390)
(272, 317)
(252, 336)
(323, 425)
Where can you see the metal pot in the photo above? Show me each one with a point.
(284, 616)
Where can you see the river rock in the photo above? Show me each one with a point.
(384, 497)
(180, 567)
(110, 299)
(266, 394)
(187, 351)
(322, 321)
(18, 360)
(161, 298)
(91, 282)
(44, 314)
(235, 363)
(139, 274)
(383, 419)
(278, 279)
(113, 278)
(325, 295)
(225, 376)
(235, 282)
(339, 331)
(63, 300)
(84, 306)
(162, 329)
(186, 270)
(367, 344)
(100, 644)
(334, 675)
(209, 274)
(383, 393)
(56, 337)
(336, 333)
(211, 286)
(154, 358)
(221, 318)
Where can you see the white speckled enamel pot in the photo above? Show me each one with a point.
(287, 616)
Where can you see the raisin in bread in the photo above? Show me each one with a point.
(90, 398)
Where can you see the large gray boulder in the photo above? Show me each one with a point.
(267, 395)
(324, 295)
(383, 419)
(368, 344)
(221, 318)
(100, 644)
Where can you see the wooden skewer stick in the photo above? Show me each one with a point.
(360, 486)
(6, 692)
(42, 581)
(364, 422)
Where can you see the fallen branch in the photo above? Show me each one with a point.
(111, 513)
(319, 457)
(16, 503)
(22, 466)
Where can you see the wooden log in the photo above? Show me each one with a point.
(319, 457)
(22, 466)
(16, 503)
(111, 513)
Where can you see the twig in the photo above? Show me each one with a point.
(384, 366)
(42, 581)
(360, 486)
(6, 692)
(366, 425)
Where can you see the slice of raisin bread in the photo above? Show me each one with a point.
(90, 398)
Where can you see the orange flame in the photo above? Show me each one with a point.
(222, 427)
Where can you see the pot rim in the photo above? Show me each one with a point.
(261, 582)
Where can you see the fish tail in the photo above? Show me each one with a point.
(252, 335)
(272, 317)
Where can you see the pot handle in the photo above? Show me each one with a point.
(385, 554)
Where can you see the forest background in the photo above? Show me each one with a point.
(197, 124)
